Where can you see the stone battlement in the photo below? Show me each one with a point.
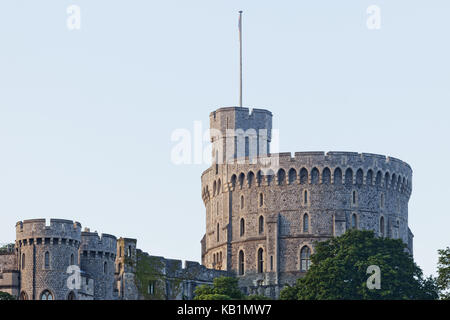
(91, 241)
(38, 228)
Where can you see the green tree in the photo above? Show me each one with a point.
(6, 296)
(443, 279)
(223, 288)
(339, 271)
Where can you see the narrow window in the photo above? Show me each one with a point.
(261, 200)
(260, 260)
(120, 252)
(23, 261)
(305, 197)
(242, 202)
(305, 223)
(151, 288)
(271, 263)
(382, 226)
(105, 268)
(72, 259)
(354, 197)
(354, 221)
(129, 251)
(261, 225)
(242, 229)
(47, 260)
(217, 232)
(241, 263)
(305, 258)
(382, 200)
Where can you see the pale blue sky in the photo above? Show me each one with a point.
(86, 116)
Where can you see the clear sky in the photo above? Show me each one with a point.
(86, 116)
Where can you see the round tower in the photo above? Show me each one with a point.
(97, 258)
(262, 222)
(44, 254)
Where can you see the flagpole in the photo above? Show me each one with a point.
(240, 59)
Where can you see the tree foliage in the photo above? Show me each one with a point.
(6, 296)
(339, 271)
(443, 279)
(223, 288)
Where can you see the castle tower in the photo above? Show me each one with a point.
(262, 225)
(238, 133)
(97, 258)
(44, 254)
(126, 268)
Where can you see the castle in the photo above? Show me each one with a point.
(59, 261)
(265, 211)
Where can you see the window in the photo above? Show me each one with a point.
(354, 197)
(47, 260)
(305, 223)
(23, 261)
(217, 232)
(261, 224)
(261, 200)
(129, 251)
(241, 263)
(71, 296)
(120, 252)
(242, 227)
(242, 202)
(46, 295)
(354, 221)
(72, 259)
(260, 260)
(382, 226)
(271, 263)
(305, 197)
(23, 296)
(105, 267)
(305, 258)
(151, 288)
(382, 200)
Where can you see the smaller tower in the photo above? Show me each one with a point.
(126, 268)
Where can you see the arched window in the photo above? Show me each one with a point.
(382, 200)
(303, 176)
(315, 176)
(382, 226)
(354, 221)
(46, 295)
(23, 261)
(261, 199)
(281, 177)
(326, 176)
(233, 181)
(242, 227)
(369, 177)
(260, 260)
(242, 202)
(359, 177)
(349, 177)
(105, 267)
(292, 175)
(46, 260)
(72, 259)
(23, 296)
(241, 180)
(354, 197)
(218, 233)
(337, 176)
(71, 296)
(250, 178)
(305, 223)
(259, 178)
(386, 180)
(305, 258)
(261, 224)
(241, 263)
(378, 179)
